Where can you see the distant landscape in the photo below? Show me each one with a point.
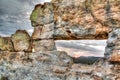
(77, 48)
(86, 60)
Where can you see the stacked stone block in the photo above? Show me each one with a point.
(42, 19)
(19, 41)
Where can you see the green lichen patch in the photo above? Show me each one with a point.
(34, 15)
(42, 14)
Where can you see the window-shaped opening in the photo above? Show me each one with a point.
(82, 51)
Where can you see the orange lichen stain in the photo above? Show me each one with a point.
(115, 58)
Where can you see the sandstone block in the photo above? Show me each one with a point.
(43, 32)
(42, 14)
(21, 40)
(6, 44)
(43, 45)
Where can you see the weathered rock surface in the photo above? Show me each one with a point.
(113, 46)
(42, 19)
(34, 66)
(75, 20)
(6, 44)
(80, 19)
(44, 45)
(42, 14)
(43, 32)
(21, 40)
(63, 19)
(112, 52)
(52, 65)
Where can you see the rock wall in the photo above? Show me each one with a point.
(112, 51)
(77, 19)
(20, 41)
(67, 20)
(43, 21)
(53, 65)
(35, 58)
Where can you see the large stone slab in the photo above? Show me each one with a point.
(21, 40)
(43, 45)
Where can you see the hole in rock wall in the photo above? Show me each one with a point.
(82, 49)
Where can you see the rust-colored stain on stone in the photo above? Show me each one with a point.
(115, 58)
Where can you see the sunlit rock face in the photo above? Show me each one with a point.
(75, 19)
(81, 19)
(21, 40)
(42, 21)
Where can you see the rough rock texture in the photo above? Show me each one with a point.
(42, 14)
(6, 44)
(42, 19)
(43, 45)
(83, 19)
(63, 19)
(21, 40)
(75, 20)
(79, 19)
(43, 32)
(113, 46)
(53, 65)
(34, 66)
(112, 52)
